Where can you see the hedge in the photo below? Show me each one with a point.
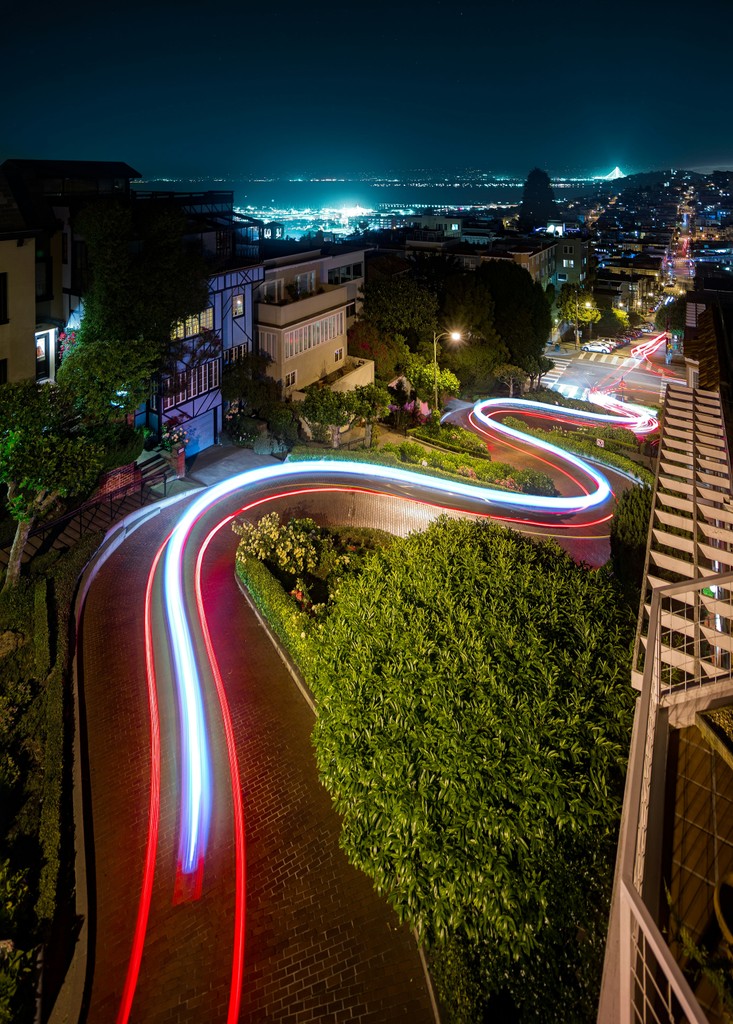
(466, 469)
(291, 625)
(584, 446)
(41, 634)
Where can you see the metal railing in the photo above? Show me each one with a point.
(693, 643)
(688, 647)
(96, 513)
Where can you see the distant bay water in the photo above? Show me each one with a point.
(287, 194)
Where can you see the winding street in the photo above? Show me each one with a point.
(218, 891)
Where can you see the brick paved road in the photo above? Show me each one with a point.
(320, 944)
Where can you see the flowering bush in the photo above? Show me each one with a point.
(173, 437)
(241, 428)
(67, 341)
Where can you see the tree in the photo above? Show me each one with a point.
(521, 313)
(469, 306)
(328, 409)
(538, 201)
(512, 376)
(612, 322)
(483, 799)
(43, 458)
(245, 381)
(537, 368)
(108, 379)
(369, 402)
(389, 353)
(671, 316)
(399, 307)
(144, 278)
(422, 376)
(577, 306)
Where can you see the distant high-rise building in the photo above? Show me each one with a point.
(538, 201)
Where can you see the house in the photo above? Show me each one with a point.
(189, 394)
(43, 264)
(303, 309)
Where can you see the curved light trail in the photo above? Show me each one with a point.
(196, 794)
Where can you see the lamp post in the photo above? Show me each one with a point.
(588, 305)
(454, 336)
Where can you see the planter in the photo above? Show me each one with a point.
(176, 460)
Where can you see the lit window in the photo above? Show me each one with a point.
(338, 355)
(238, 305)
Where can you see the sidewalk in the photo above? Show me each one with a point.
(209, 467)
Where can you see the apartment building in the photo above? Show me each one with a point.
(42, 260)
(303, 308)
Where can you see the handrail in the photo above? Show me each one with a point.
(634, 907)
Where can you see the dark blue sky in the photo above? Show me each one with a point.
(249, 88)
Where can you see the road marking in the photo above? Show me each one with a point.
(556, 372)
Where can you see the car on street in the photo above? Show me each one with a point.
(596, 346)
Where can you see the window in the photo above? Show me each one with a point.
(290, 379)
(567, 250)
(305, 283)
(180, 387)
(270, 291)
(338, 355)
(3, 371)
(231, 355)
(267, 343)
(195, 324)
(351, 309)
(3, 298)
(238, 305)
(300, 339)
(568, 263)
(340, 275)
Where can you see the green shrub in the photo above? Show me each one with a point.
(629, 533)
(455, 439)
(16, 994)
(473, 729)
(291, 625)
(582, 445)
(443, 464)
(41, 635)
(121, 444)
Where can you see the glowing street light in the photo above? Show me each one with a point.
(454, 336)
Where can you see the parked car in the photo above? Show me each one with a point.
(596, 346)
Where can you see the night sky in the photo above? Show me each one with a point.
(239, 88)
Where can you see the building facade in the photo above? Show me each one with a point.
(303, 309)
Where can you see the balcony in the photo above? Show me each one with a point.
(291, 311)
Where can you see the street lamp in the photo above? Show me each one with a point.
(588, 305)
(454, 336)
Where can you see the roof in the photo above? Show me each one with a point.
(12, 222)
(72, 168)
(37, 184)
